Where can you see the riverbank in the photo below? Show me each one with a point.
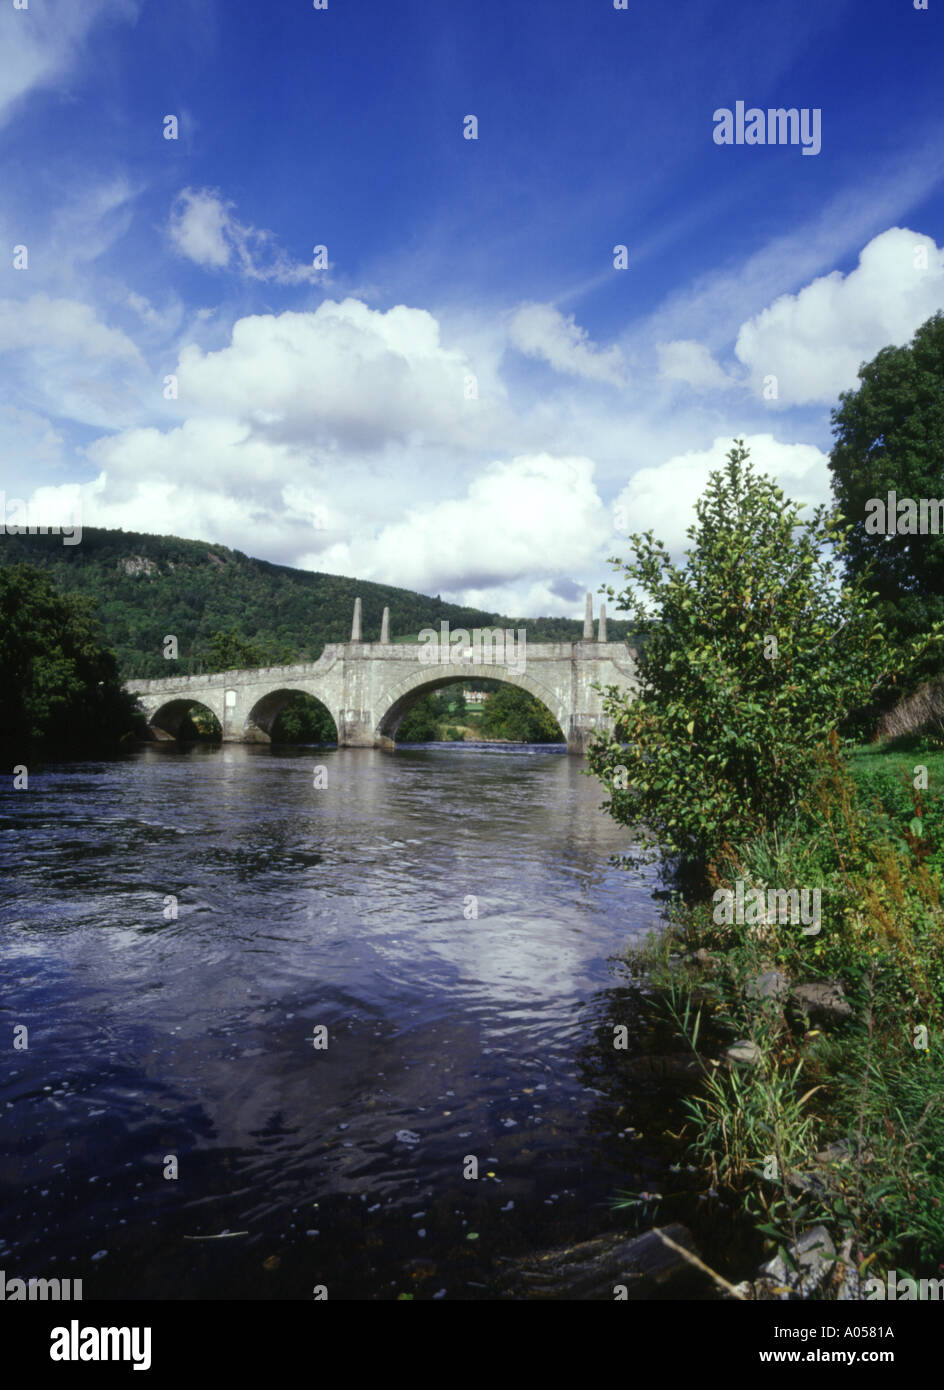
(817, 1044)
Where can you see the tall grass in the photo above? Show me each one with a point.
(874, 1080)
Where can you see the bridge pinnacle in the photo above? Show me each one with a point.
(601, 630)
(356, 625)
(385, 628)
(588, 620)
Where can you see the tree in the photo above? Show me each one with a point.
(890, 438)
(304, 719)
(228, 651)
(419, 724)
(511, 713)
(59, 685)
(754, 652)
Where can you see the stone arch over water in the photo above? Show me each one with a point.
(261, 718)
(168, 720)
(428, 679)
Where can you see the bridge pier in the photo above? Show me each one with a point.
(251, 734)
(582, 732)
(356, 729)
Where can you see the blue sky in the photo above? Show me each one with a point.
(471, 399)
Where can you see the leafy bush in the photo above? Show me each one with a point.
(755, 653)
(199, 725)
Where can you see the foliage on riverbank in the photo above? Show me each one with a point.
(869, 1083)
(825, 1104)
(755, 653)
(868, 1078)
(59, 683)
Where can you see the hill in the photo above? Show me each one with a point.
(146, 587)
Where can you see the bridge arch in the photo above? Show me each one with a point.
(170, 720)
(429, 678)
(260, 721)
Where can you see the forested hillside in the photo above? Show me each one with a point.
(218, 601)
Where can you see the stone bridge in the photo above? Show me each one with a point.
(368, 687)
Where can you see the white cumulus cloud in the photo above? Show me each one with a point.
(815, 341)
(662, 499)
(343, 371)
(534, 517)
(210, 478)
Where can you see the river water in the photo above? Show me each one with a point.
(447, 914)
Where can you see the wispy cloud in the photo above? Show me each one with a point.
(39, 45)
(202, 228)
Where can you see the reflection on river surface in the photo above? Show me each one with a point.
(349, 907)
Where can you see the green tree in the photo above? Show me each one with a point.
(228, 651)
(59, 685)
(304, 720)
(755, 652)
(451, 701)
(420, 724)
(511, 713)
(890, 438)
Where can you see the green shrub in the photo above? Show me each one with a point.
(876, 1080)
(755, 654)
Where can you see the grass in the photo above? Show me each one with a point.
(885, 774)
(888, 769)
(873, 843)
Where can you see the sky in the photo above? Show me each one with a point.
(328, 327)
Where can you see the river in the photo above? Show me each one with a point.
(448, 914)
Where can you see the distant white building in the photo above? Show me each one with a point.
(475, 697)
